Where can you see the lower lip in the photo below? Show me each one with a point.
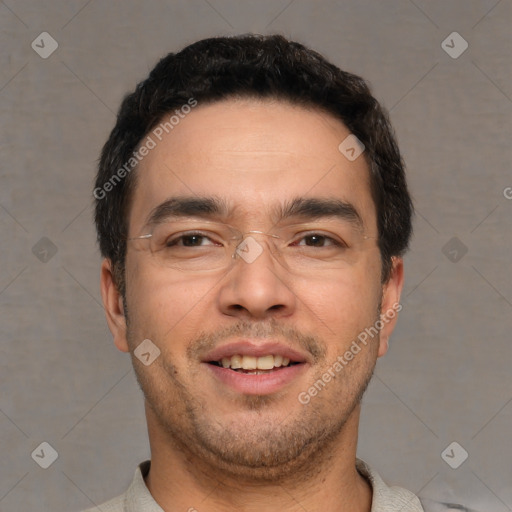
(260, 384)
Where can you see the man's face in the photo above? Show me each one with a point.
(254, 157)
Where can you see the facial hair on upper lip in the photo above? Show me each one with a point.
(205, 341)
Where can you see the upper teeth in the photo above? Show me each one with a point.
(254, 363)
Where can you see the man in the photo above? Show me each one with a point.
(252, 210)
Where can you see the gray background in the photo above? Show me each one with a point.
(447, 375)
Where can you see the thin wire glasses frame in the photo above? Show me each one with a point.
(174, 244)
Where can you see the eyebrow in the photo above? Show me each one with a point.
(318, 208)
(205, 207)
(215, 208)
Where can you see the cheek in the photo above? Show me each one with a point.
(343, 306)
(161, 309)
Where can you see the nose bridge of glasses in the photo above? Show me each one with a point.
(272, 235)
(249, 248)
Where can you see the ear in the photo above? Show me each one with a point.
(113, 304)
(390, 305)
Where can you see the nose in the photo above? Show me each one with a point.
(256, 286)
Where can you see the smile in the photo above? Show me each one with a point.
(254, 365)
(255, 381)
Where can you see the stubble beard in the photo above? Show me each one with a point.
(262, 449)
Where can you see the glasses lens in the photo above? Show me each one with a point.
(191, 246)
(321, 246)
(301, 248)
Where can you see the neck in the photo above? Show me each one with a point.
(326, 480)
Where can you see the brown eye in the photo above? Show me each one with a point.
(315, 240)
(192, 240)
(318, 240)
(188, 240)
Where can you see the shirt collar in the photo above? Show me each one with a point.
(137, 497)
(385, 499)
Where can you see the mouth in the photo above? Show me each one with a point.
(251, 375)
(252, 365)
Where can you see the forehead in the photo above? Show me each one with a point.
(254, 155)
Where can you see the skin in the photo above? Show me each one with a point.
(213, 448)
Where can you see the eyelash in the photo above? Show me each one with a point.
(171, 242)
(176, 239)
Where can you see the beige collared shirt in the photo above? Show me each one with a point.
(385, 499)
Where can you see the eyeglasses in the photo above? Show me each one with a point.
(201, 246)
